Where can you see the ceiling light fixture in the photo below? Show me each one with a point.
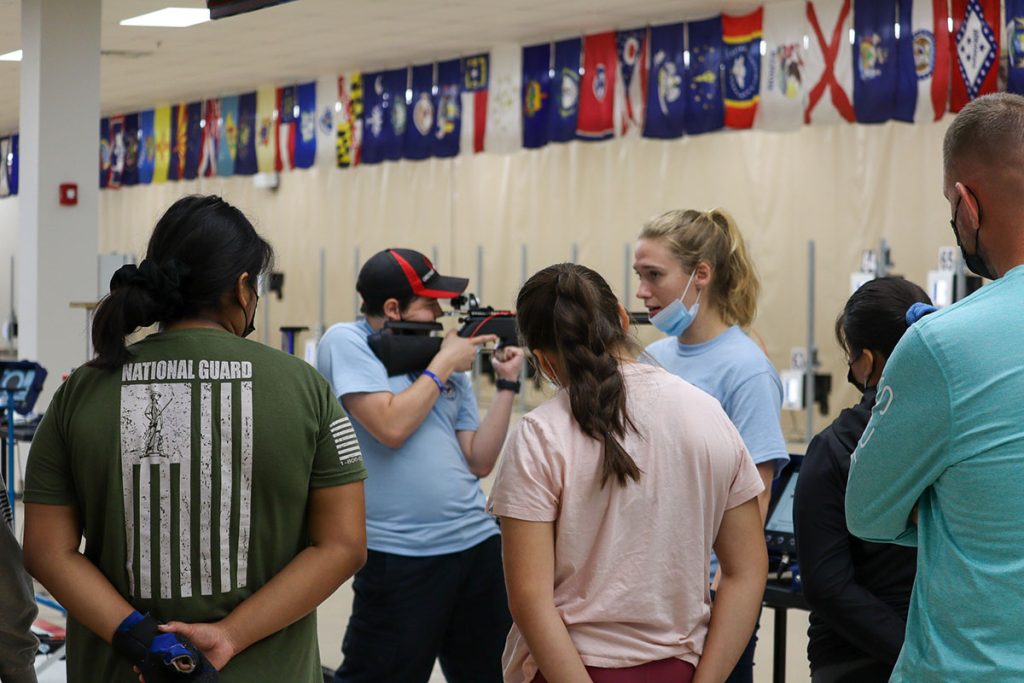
(170, 17)
(11, 56)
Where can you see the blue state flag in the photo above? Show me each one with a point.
(305, 136)
(705, 106)
(875, 60)
(104, 152)
(245, 156)
(1015, 45)
(419, 133)
(193, 140)
(448, 123)
(227, 147)
(385, 114)
(536, 94)
(565, 91)
(130, 174)
(147, 147)
(12, 165)
(666, 105)
(906, 67)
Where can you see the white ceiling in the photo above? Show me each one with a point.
(300, 40)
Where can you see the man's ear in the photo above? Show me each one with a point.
(392, 311)
(969, 210)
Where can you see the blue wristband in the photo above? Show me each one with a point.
(437, 380)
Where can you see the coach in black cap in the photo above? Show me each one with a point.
(432, 587)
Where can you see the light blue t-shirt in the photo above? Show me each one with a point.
(947, 434)
(421, 498)
(733, 369)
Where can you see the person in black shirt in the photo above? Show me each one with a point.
(858, 591)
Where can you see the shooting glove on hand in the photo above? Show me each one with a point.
(161, 657)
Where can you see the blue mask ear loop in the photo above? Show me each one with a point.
(688, 283)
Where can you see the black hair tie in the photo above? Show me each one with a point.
(161, 281)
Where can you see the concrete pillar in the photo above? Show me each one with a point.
(59, 126)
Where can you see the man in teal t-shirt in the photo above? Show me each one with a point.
(941, 463)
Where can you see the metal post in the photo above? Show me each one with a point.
(10, 449)
(812, 354)
(433, 254)
(575, 253)
(356, 263)
(627, 257)
(523, 264)
(321, 325)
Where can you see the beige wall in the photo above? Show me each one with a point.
(843, 186)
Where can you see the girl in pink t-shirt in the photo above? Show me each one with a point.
(611, 497)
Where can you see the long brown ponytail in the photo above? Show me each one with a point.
(570, 311)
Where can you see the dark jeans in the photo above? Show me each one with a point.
(859, 671)
(409, 611)
(744, 670)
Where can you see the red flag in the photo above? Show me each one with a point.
(976, 26)
(743, 39)
(596, 120)
(830, 41)
(284, 159)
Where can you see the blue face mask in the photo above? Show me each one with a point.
(674, 319)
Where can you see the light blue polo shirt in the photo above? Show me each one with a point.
(421, 498)
(947, 434)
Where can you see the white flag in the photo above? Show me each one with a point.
(929, 22)
(326, 113)
(504, 131)
(829, 83)
(784, 67)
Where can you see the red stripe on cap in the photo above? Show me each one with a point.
(418, 288)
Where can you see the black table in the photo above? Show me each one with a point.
(780, 599)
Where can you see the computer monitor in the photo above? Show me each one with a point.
(778, 528)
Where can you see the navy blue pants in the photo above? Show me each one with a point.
(410, 611)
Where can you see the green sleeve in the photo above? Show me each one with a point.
(905, 447)
(48, 476)
(338, 459)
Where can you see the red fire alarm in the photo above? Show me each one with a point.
(68, 194)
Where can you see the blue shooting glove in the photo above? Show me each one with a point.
(161, 657)
(918, 311)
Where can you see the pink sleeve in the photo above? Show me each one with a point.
(527, 485)
(746, 481)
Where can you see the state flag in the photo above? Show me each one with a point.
(305, 133)
(631, 84)
(476, 73)
(829, 63)
(976, 41)
(161, 144)
(179, 142)
(536, 94)
(245, 156)
(5, 167)
(130, 175)
(596, 119)
(348, 120)
(876, 77)
(266, 129)
(117, 152)
(193, 140)
(565, 90)
(419, 136)
(784, 67)
(227, 134)
(1015, 46)
(104, 152)
(743, 39)
(385, 115)
(666, 105)
(327, 108)
(504, 128)
(705, 106)
(147, 147)
(285, 119)
(209, 138)
(13, 162)
(925, 60)
(448, 117)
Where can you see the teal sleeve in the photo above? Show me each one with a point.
(905, 447)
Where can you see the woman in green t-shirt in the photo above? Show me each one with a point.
(216, 481)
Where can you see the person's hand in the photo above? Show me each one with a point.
(214, 640)
(459, 352)
(508, 362)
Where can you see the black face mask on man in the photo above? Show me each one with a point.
(973, 261)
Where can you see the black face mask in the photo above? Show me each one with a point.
(973, 261)
(853, 380)
(250, 324)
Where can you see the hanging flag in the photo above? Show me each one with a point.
(147, 147)
(384, 115)
(117, 152)
(1015, 47)
(743, 39)
(266, 128)
(419, 134)
(193, 140)
(875, 53)
(327, 102)
(666, 106)
(227, 136)
(162, 144)
(829, 63)
(130, 175)
(596, 120)
(930, 54)
(705, 107)
(13, 161)
(348, 120)
(179, 142)
(285, 123)
(305, 134)
(783, 78)
(104, 152)
(245, 156)
(209, 127)
(448, 127)
(503, 132)
(476, 72)
(536, 94)
(631, 84)
(565, 89)
(5, 167)
(976, 39)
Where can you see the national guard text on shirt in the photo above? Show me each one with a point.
(185, 369)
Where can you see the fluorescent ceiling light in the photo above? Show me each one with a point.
(11, 56)
(170, 17)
